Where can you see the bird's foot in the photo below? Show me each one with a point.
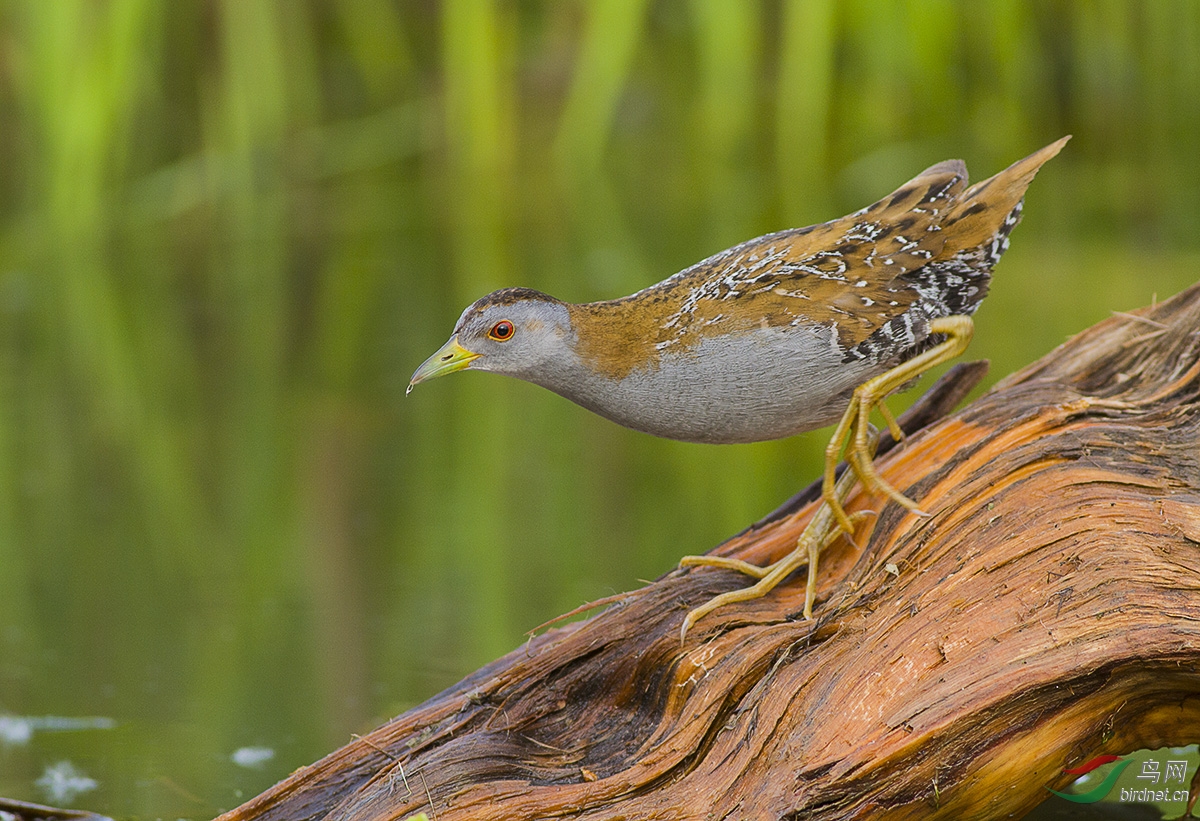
(854, 433)
(820, 532)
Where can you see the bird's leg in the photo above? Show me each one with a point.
(853, 430)
(822, 529)
(854, 434)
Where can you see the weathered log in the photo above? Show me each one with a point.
(1048, 611)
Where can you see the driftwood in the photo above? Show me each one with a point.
(25, 811)
(1047, 612)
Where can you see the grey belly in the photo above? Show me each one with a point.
(767, 385)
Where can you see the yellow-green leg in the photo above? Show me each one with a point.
(821, 530)
(852, 432)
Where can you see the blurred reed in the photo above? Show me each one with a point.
(229, 230)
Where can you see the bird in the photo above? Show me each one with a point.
(781, 334)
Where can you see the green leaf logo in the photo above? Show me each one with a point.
(1099, 791)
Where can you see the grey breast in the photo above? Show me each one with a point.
(750, 387)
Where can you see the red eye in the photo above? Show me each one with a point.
(502, 331)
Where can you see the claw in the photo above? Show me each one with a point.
(820, 532)
(893, 426)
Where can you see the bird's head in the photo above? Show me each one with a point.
(512, 331)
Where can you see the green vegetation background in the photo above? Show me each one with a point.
(231, 229)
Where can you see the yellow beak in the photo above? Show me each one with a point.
(450, 357)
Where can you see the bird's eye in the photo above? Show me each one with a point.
(502, 331)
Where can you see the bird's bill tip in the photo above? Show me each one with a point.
(450, 358)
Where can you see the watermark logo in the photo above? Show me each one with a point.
(1153, 772)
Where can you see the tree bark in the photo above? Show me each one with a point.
(1046, 612)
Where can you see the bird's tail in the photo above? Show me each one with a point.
(986, 213)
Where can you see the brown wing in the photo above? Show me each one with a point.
(855, 274)
(844, 272)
